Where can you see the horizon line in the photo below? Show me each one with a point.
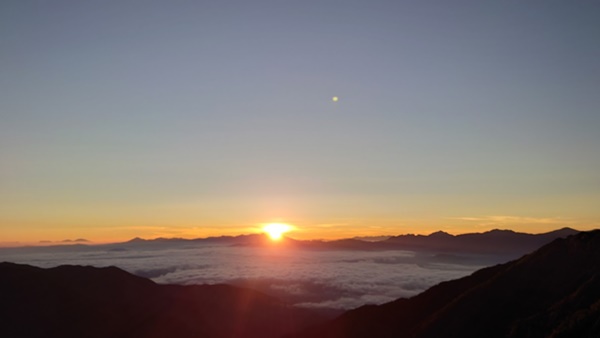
(87, 242)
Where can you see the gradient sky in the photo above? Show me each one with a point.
(197, 118)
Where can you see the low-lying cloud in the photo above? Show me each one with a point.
(307, 278)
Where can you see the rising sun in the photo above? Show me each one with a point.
(276, 230)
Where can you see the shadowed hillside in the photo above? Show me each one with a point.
(76, 301)
(553, 292)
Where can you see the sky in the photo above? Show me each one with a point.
(200, 118)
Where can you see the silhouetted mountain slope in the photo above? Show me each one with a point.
(75, 301)
(553, 292)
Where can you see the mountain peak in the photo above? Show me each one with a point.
(440, 234)
(501, 231)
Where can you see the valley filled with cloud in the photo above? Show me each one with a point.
(324, 279)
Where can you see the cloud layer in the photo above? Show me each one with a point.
(307, 278)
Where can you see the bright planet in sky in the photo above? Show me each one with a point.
(276, 230)
(335, 99)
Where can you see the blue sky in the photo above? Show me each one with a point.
(199, 117)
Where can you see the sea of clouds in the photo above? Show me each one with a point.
(332, 279)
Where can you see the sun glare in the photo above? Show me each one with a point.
(276, 230)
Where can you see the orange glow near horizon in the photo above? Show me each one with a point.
(55, 233)
(276, 230)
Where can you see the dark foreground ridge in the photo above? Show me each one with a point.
(76, 301)
(553, 292)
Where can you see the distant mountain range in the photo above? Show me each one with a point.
(553, 292)
(490, 247)
(503, 244)
(490, 242)
(494, 241)
(77, 301)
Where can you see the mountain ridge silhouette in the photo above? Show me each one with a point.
(552, 292)
(85, 301)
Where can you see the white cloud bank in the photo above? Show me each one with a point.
(317, 279)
